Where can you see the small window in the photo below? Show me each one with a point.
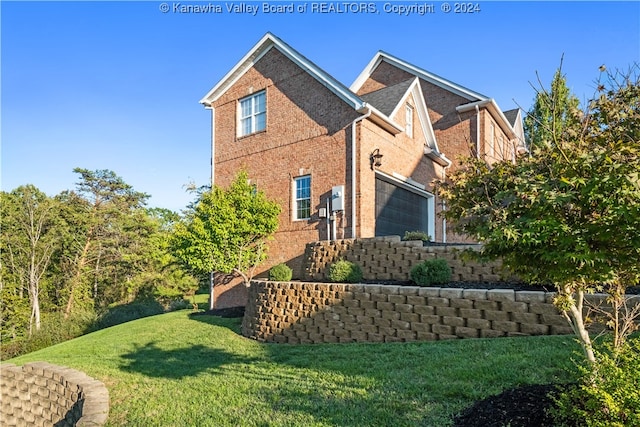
(302, 197)
(253, 114)
(409, 121)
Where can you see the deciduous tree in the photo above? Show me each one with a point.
(29, 232)
(570, 213)
(226, 230)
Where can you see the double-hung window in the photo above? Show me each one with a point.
(409, 120)
(302, 209)
(253, 114)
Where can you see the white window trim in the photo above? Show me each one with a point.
(409, 120)
(240, 130)
(295, 197)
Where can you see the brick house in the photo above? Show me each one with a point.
(348, 162)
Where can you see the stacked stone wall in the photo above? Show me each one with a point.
(389, 258)
(42, 394)
(295, 312)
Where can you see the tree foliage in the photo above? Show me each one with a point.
(226, 230)
(553, 110)
(72, 256)
(570, 213)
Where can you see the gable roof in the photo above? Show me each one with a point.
(512, 115)
(381, 56)
(387, 99)
(270, 41)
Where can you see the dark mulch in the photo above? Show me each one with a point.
(222, 312)
(524, 406)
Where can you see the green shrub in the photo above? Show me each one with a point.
(280, 273)
(416, 235)
(607, 393)
(345, 272)
(431, 272)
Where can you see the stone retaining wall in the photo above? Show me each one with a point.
(42, 394)
(295, 312)
(389, 258)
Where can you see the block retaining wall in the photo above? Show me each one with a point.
(42, 394)
(297, 312)
(389, 258)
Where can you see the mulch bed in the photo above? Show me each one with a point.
(524, 406)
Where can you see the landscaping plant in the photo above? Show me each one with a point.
(431, 272)
(225, 231)
(569, 214)
(416, 235)
(280, 273)
(344, 271)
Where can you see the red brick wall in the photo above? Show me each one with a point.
(308, 132)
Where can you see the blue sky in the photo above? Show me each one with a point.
(116, 85)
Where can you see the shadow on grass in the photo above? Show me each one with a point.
(151, 360)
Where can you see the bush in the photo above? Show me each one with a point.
(280, 273)
(416, 235)
(345, 272)
(607, 394)
(430, 272)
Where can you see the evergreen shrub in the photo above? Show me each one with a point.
(344, 271)
(280, 273)
(430, 272)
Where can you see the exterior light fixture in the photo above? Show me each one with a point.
(375, 158)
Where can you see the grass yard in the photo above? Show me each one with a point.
(181, 370)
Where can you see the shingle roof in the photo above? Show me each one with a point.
(511, 115)
(386, 99)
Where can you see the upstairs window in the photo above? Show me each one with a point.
(253, 114)
(409, 121)
(302, 209)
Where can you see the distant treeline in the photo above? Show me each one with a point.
(65, 260)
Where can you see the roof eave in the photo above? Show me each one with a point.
(266, 43)
(436, 156)
(491, 105)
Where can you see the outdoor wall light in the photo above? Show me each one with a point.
(375, 158)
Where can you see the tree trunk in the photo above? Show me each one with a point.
(575, 316)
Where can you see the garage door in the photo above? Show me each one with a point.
(399, 208)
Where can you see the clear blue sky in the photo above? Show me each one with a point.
(116, 85)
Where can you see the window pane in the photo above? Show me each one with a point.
(304, 209)
(303, 197)
(245, 107)
(261, 104)
(246, 126)
(261, 122)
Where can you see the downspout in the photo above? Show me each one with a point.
(444, 207)
(212, 274)
(477, 132)
(354, 223)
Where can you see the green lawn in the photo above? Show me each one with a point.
(178, 370)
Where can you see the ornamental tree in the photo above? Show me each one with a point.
(225, 231)
(569, 214)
